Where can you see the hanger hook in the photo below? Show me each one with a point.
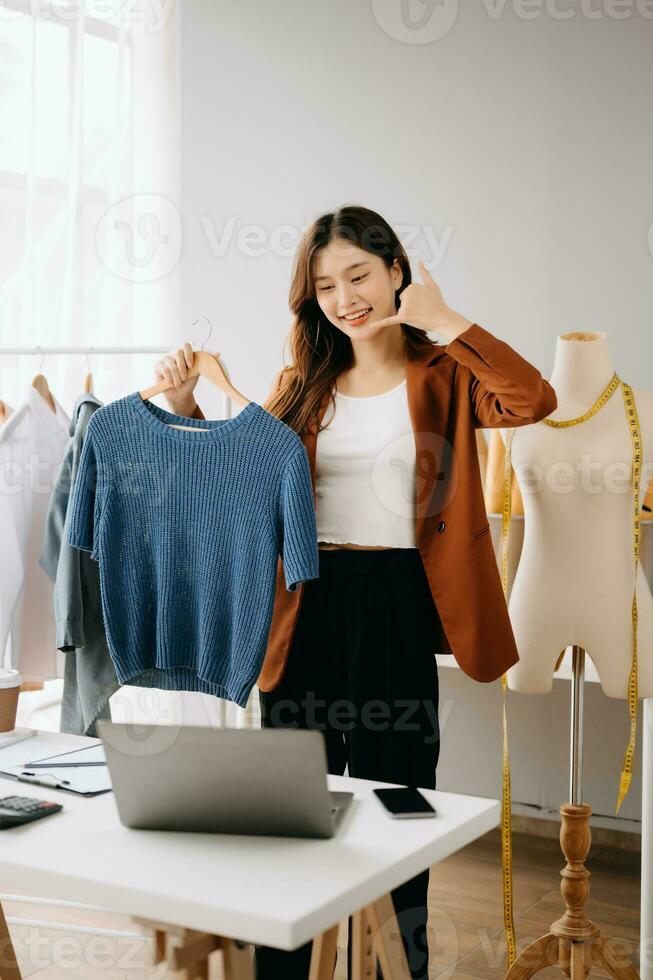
(210, 328)
(88, 361)
(43, 356)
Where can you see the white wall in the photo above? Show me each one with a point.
(521, 143)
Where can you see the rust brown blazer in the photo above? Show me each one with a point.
(476, 381)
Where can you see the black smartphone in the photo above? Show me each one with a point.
(404, 802)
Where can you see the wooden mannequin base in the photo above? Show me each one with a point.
(574, 943)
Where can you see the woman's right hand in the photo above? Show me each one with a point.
(173, 367)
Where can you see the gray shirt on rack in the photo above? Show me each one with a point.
(89, 674)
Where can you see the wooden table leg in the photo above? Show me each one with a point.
(324, 954)
(363, 960)
(201, 971)
(8, 962)
(387, 939)
(159, 945)
(187, 951)
(237, 960)
(375, 934)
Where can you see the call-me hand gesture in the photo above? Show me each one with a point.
(422, 306)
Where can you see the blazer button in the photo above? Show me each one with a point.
(441, 526)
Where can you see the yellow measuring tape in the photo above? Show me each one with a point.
(627, 767)
(506, 805)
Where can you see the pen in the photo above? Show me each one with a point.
(64, 765)
(62, 782)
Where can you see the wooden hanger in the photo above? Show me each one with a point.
(40, 382)
(209, 366)
(88, 380)
(5, 411)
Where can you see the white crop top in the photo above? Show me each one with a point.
(365, 471)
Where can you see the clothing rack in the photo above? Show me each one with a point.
(38, 349)
(103, 350)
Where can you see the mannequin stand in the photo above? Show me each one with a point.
(574, 942)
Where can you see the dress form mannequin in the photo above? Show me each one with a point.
(574, 587)
(574, 582)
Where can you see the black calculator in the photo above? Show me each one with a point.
(16, 810)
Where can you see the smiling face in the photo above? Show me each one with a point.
(354, 288)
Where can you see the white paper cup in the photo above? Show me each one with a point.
(10, 681)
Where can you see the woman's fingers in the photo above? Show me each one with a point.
(388, 321)
(427, 278)
(180, 361)
(173, 366)
(161, 371)
(172, 370)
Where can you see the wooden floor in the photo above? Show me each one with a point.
(466, 923)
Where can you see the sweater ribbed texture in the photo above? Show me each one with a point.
(187, 528)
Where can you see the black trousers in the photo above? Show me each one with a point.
(362, 669)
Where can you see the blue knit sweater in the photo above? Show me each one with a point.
(187, 527)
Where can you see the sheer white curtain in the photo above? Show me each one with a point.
(88, 189)
(91, 228)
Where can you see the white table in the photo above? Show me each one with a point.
(224, 884)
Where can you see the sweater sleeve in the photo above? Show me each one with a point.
(56, 516)
(298, 522)
(84, 501)
(505, 389)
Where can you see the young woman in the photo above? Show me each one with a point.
(388, 417)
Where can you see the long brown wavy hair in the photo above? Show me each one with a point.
(319, 351)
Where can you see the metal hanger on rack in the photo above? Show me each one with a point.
(207, 365)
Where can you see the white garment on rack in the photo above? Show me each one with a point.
(32, 443)
(365, 471)
(11, 577)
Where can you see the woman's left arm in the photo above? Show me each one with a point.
(505, 389)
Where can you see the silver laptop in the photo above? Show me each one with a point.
(226, 781)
